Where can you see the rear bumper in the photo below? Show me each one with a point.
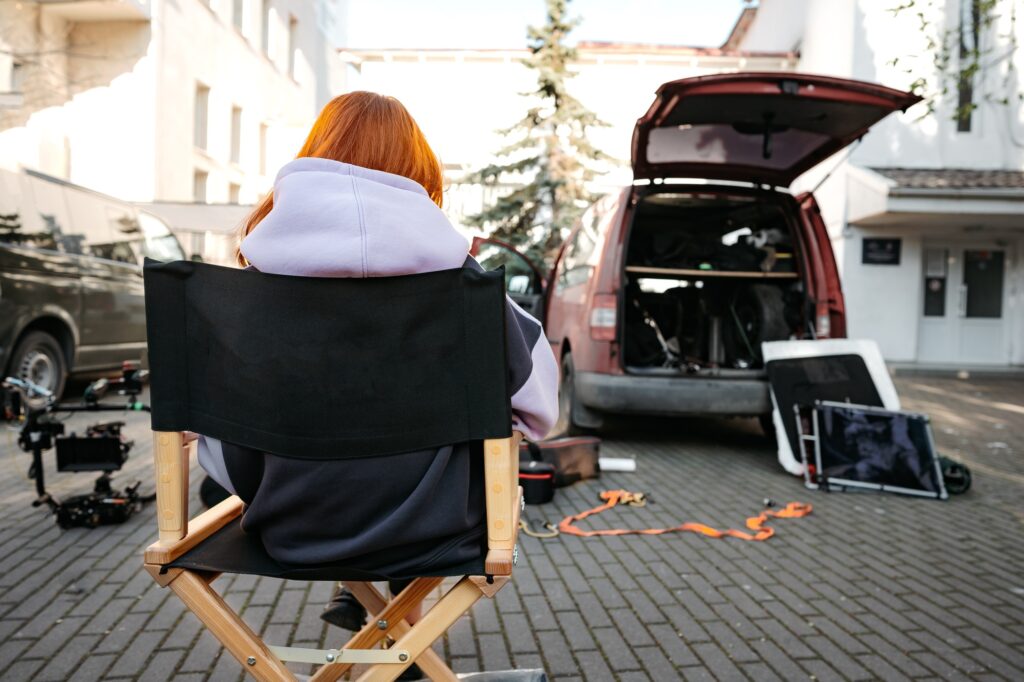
(676, 396)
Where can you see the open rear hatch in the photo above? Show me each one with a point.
(755, 127)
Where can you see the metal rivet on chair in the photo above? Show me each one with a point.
(251, 660)
(403, 657)
(382, 624)
(330, 658)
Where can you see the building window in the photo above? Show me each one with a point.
(293, 31)
(970, 30)
(935, 272)
(202, 112)
(263, 149)
(984, 272)
(265, 36)
(233, 193)
(17, 79)
(199, 186)
(236, 134)
(238, 14)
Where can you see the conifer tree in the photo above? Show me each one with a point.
(549, 150)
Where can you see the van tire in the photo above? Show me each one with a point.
(37, 352)
(573, 417)
(565, 425)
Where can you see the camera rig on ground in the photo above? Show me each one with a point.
(101, 448)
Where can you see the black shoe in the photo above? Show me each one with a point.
(345, 611)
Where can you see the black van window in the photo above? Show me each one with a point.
(15, 232)
(577, 264)
(520, 278)
(122, 231)
(158, 243)
(88, 232)
(18, 228)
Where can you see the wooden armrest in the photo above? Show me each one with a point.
(171, 451)
(171, 457)
(501, 479)
(199, 528)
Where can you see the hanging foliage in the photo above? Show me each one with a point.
(963, 51)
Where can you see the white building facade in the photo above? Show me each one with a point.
(948, 194)
(171, 104)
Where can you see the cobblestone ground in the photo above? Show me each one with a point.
(867, 587)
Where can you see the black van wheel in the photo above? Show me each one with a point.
(39, 358)
(573, 417)
(566, 400)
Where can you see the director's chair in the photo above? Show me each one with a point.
(320, 369)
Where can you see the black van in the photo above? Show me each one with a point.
(71, 295)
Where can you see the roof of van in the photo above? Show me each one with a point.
(192, 217)
(67, 183)
(188, 216)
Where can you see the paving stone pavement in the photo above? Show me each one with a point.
(867, 587)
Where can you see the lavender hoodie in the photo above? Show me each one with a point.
(333, 219)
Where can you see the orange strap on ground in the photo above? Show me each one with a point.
(612, 498)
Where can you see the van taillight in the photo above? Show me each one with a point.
(602, 317)
(824, 327)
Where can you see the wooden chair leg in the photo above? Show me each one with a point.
(437, 620)
(229, 628)
(429, 662)
(392, 613)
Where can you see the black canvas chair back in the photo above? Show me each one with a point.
(327, 368)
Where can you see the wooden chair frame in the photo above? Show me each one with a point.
(412, 643)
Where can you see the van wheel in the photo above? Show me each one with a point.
(566, 400)
(573, 417)
(39, 358)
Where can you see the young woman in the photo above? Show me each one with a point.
(363, 199)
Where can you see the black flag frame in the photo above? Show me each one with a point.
(862, 447)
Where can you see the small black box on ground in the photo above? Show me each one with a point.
(538, 482)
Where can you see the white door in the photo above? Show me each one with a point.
(964, 305)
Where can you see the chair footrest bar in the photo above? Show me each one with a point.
(322, 656)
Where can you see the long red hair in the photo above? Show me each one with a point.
(368, 130)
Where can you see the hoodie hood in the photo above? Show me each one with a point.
(333, 219)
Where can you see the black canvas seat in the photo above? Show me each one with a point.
(232, 550)
(343, 371)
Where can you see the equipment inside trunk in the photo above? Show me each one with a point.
(710, 277)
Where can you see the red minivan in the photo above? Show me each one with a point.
(660, 298)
